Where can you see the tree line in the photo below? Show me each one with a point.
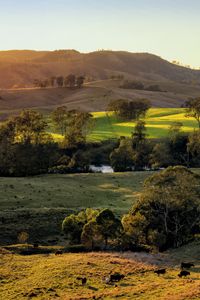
(71, 81)
(138, 85)
(27, 147)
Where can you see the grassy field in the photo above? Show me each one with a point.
(76, 191)
(39, 204)
(158, 121)
(46, 277)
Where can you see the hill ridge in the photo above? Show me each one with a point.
(20, 67)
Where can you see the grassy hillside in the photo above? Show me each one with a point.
(158, 121)
(76, 191)
(39, 204)
(52, 277)
(92, 97)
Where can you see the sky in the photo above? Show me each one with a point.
(168, 28)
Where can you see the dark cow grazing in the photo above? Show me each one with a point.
(160, 271)
(83, 280)
(116, 277)
(183, 274)
(59, 252)
(186, 265)
(35, 245)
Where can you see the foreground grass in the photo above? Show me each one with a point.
(158, 121)
(52, 277)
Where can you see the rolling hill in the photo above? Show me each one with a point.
(18, 69)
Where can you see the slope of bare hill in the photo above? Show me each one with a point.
(20, 68)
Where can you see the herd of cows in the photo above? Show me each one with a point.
(184, 266)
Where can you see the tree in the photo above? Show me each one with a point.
(139, 133)
(169, 207)
(109, 225)
(80, 81)
(140, 146)
(90, 236)
(121, 158)
(177, 143)
(73, 224)
(193, 109)
(193, 149)
(137, 85)
(175, 129)
(25, 147)
(30, 127)
(60, 81)
(70, 81)
(52, 81)
(129, 109)
(80, 124)
(161, 156)
(60, 118)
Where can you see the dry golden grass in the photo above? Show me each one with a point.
(54, 277)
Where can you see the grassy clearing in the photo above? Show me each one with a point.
(157, 121)
(50, 277)
(116, 191)
(39, 204)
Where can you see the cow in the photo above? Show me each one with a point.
(183, 274)
(59, 252)
(160, 271)
(185, 265)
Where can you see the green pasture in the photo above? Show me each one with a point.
(158, 121)
(74, 191)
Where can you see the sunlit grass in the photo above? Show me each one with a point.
(108, 126)
(158, 121)
(54, 277)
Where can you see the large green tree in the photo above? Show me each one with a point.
(109, 226)
(129, 110)
(168, 210)
(29, 127)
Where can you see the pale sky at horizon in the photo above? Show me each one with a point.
(170, 28)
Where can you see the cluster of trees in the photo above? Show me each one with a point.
(70, 81)
(129, 110)
(92, 227)
(132, 153)
(139, 152)
(138, 85)
(166, 215)
(26, 148)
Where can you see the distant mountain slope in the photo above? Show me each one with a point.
(20, 68)
(93, 96)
